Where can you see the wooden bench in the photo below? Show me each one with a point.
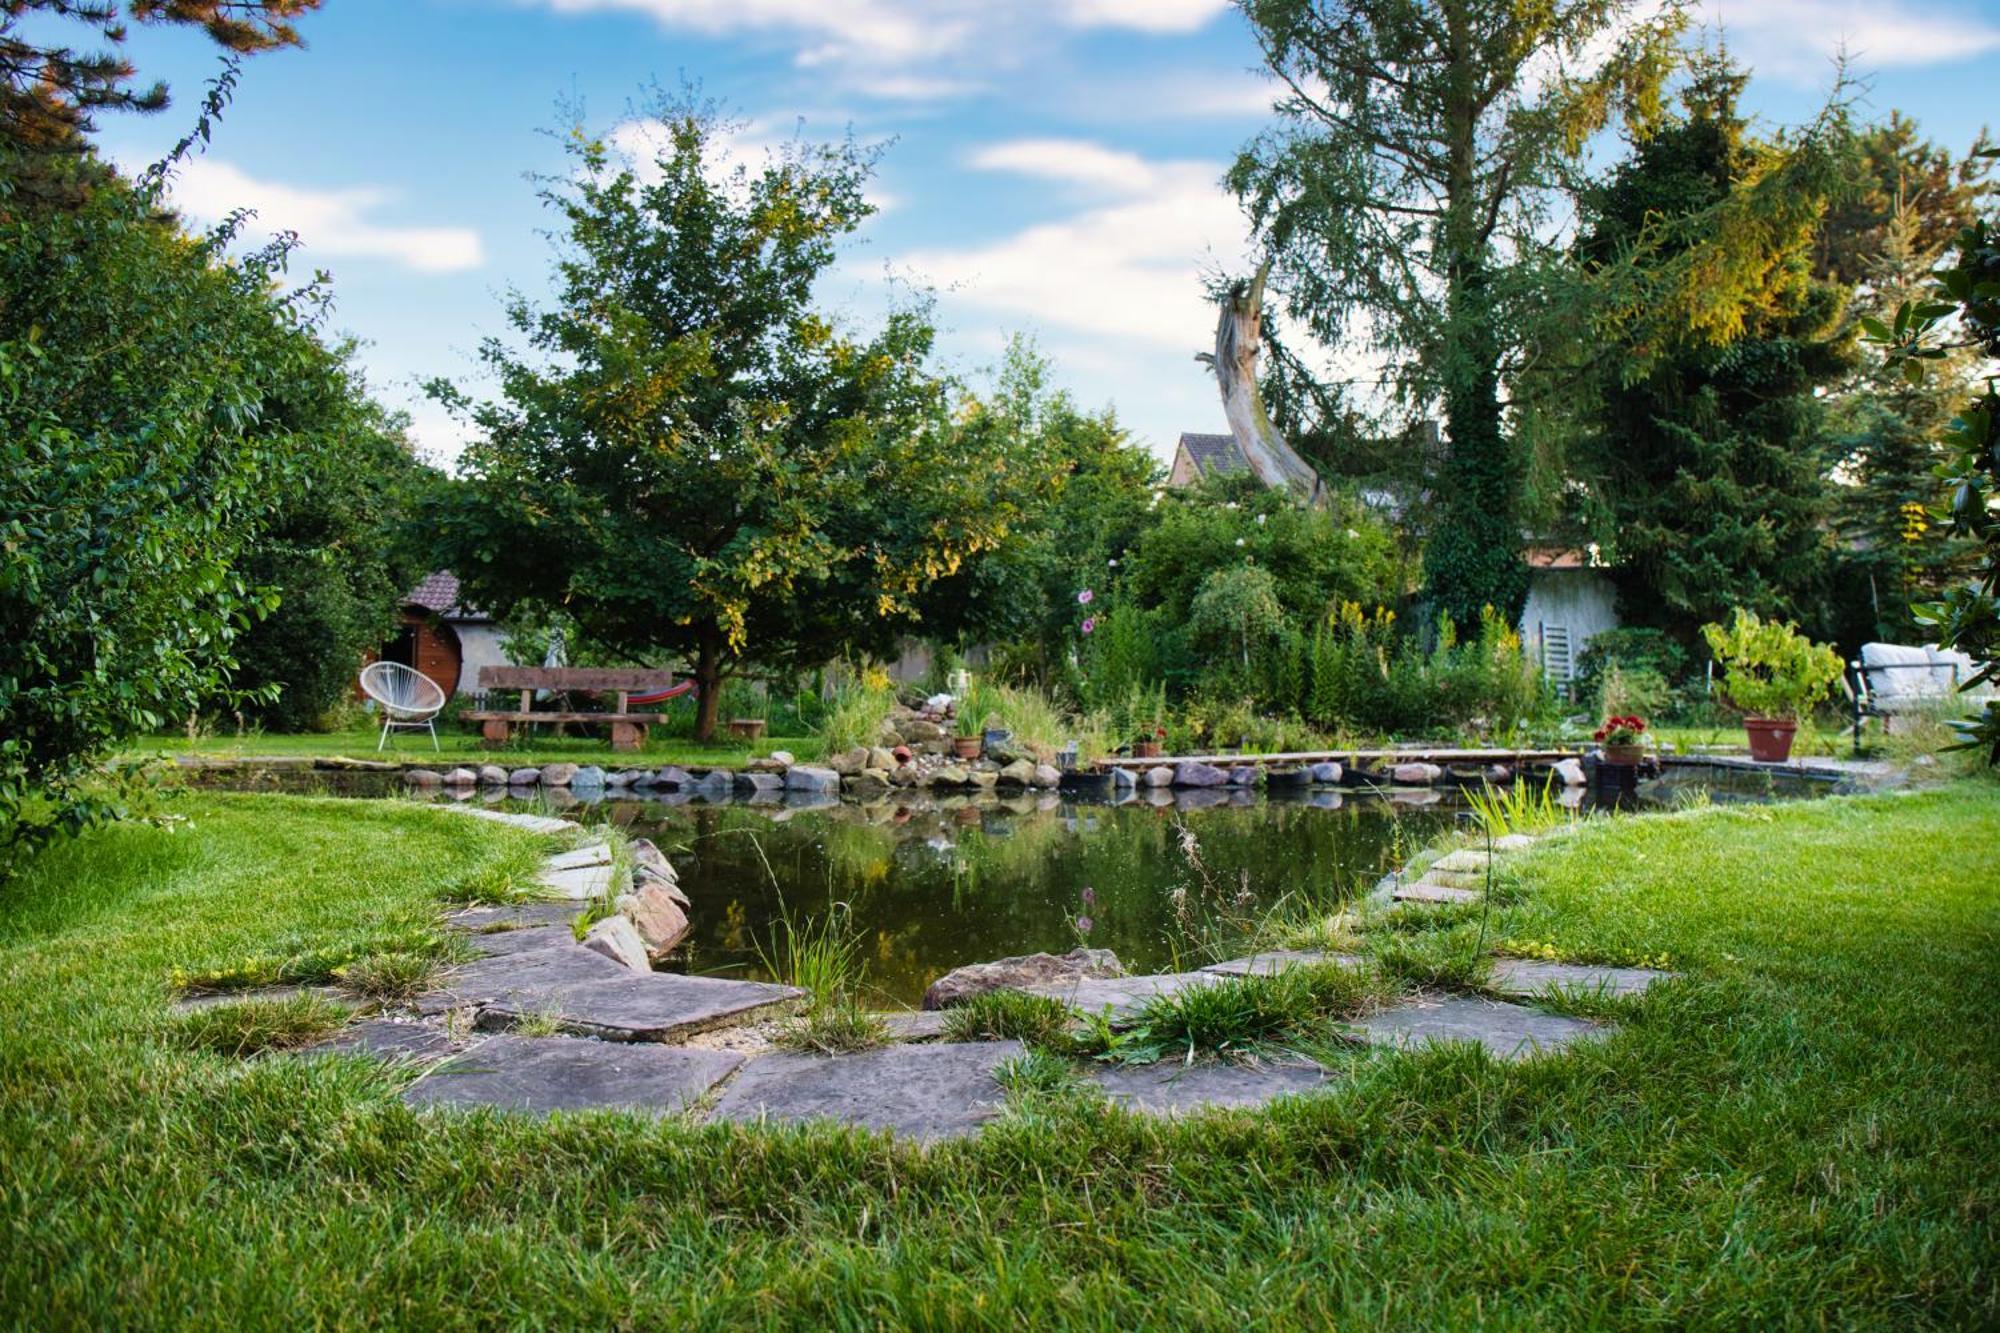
(628, 729)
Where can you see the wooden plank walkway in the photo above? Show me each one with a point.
(1290, 758)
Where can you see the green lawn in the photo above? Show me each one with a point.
(460, 747)
(1800, 1133)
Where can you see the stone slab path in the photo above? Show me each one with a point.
(1176, 1089)
(1509, 1031)
(655, 1007)
(1278, 960)
(513, 916)
(926, 1092)
(1528, 977)
(1425, 891)
(914, 1024)
(386, 1039)
(532, 823)
(507, 943)
(1121, 997)
(578, 884)
(597, 854)
(537, 972)
(545, 1074)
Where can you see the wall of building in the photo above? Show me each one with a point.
(1581, 601)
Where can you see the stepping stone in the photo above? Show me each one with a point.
(1170, 1088)
(537, 972)
(578, 885)
(1465, 861)
(1424, 891)
(1513, 842)
(1526, 976)
(1277, 960)
(914, 1024)
(582, 858)
(920, 1092)
(507, 943)
(532, 823)
(631, 1007)
(1509, 1031)
(1123, 996)
(568, 1074)
(513, 916)
(385, 1040)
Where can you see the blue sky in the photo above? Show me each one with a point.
(1053, 166)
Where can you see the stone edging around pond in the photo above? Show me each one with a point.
(624, 1036)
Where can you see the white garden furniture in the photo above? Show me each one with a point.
(409, 699)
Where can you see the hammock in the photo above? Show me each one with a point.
(659, 696)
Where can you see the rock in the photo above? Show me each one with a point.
(588, 778)
(849, 762)
(649, 862)
(629, 1006)
(1020, 773)
(716, 781)
(558, 775)
(1194, 773)
(906, 776)
(656, 916)
(918, 731)
(768, 764)
(923, 1092)
(524, 777)
(759, 782)
(938, 748)
(1569, 772)
(1326, 774)
(1159, 776)
(386, 1039)
(1243, 775)
(1046, 775)
(460, 777)
(542, 1074)
(618, 939)
(883, 759)
(1513, 842)
(1123, 779)
(422, 777)
(620, 777)
(782, 757)
(870, 781)
(951, 775)
(1415, 775)
(985, 778)
(961, 984)
(804, 777)
(1464, 861)
(675, 779)
(492, 775)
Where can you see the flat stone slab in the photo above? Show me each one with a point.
(1464, 861)
(598, 854)
(1424, 891)
(915, 1024)
(1173, 1089)
(386, 1039)
(532, 823)
(578, 885)
(634, 1007)
(513, 916)
(1123, 996)
(921, 1092)
(1509, 1031)
(543, 1074)
(537, 972)
(1527, 976)
(1277, 960)
(507, 943)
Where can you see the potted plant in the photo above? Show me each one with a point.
(1620, 740)
(1773, 675)
(967, 726)
(1149, 743)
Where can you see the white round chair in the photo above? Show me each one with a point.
(409, 699)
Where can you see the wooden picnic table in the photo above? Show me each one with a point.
(628, 729)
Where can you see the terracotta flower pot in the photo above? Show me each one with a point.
(1145, 749)
(1770, 738)
(1626, 756)
(965, 747)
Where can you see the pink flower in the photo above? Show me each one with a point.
(1083, 925)
(1085, 597)
(1089, 624)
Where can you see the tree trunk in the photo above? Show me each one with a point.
(708, 687)
(1239, 337)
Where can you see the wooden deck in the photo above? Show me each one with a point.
(1293, 758)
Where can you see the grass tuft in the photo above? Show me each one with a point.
(1245, 1015)
(393, 977)
(251, 1027)
(834, 1029)
(1011, 1015)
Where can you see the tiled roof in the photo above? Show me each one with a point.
(1214, 455)
(438, 594)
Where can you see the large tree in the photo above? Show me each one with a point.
(1708, 454)
(688, 458)
(1403, 201)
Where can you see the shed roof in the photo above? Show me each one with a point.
(1214, 455)
(437, 593)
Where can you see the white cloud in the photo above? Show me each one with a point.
(1797, 39)
(748, 147)
(334, 222)
(1145, 15)
(1129, 269)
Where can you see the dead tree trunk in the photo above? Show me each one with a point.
(1239, 338)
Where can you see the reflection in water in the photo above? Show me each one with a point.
(932, 885)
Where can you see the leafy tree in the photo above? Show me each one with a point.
(153, 395)
(1402, 201)
(1911, 197)
(1708, 454)
(337, 555)
(690, 460)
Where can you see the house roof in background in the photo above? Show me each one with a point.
(438, 594)
(1214, 455)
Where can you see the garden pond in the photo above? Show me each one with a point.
(930, 883)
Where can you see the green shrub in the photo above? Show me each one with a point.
(1769, 668)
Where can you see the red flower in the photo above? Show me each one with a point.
(1599, 735)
